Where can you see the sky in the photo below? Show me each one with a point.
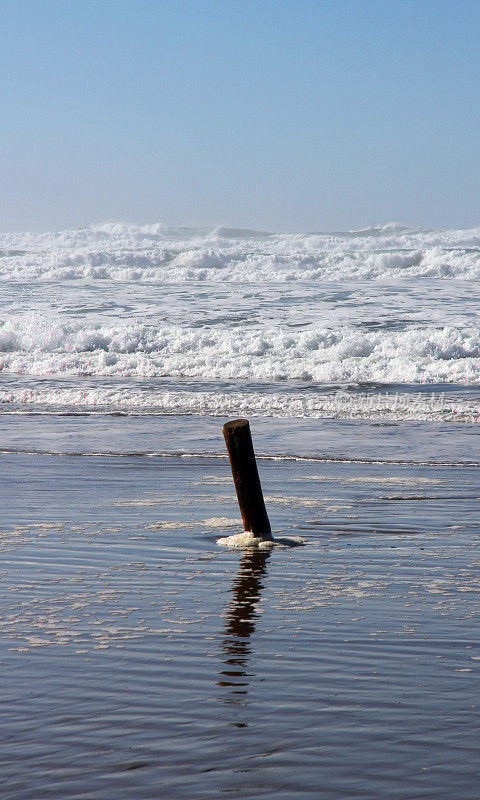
(277, 115)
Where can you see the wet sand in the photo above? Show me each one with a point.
(142, 660)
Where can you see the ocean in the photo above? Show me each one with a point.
(141, 659)
(381, 323)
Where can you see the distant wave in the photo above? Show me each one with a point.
(155, 254)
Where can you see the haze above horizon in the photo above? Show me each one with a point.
(278, 116)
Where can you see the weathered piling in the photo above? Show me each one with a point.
(245, 477)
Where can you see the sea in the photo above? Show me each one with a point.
(139, 657)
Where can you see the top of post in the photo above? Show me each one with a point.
(235, 424)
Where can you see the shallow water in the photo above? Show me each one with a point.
(150, 435)
(142, 660)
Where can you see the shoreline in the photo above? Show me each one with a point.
(292, 439)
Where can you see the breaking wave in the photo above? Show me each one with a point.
(43, 346)
(155, 254)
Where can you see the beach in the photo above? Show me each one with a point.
(141, 658)
(137, 653)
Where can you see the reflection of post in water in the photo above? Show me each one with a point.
(240, 620)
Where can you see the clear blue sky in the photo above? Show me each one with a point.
(275, 114)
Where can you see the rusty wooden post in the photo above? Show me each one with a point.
(245, 477)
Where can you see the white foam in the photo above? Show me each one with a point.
(240, 540)
(289, 403)
(220, 522)
(249, 540)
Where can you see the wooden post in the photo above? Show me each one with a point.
(245, 477)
